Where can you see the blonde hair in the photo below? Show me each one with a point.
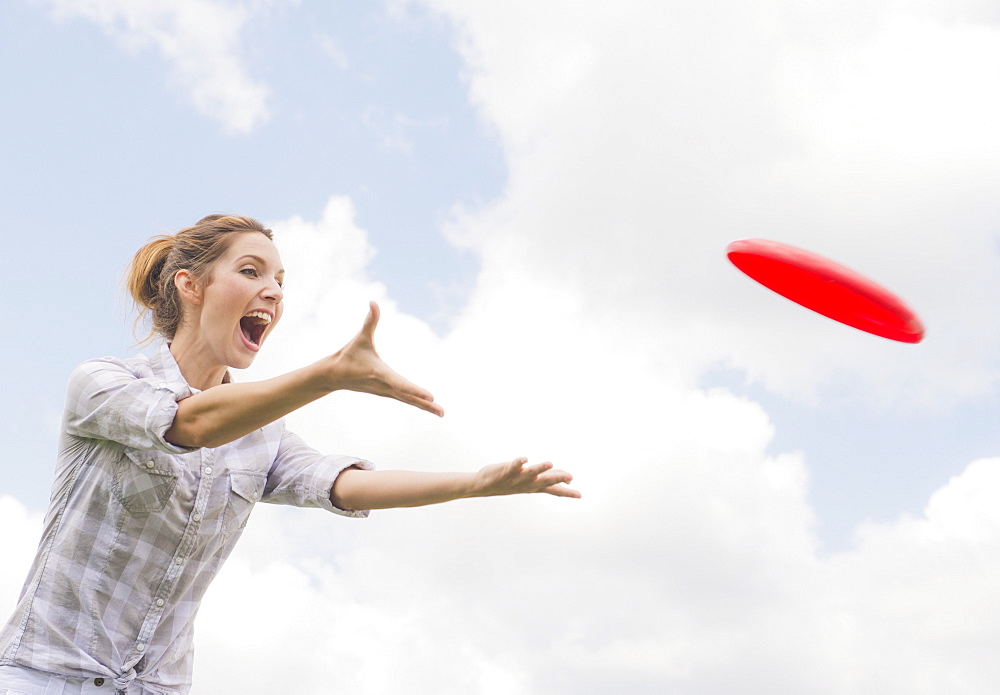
(150, 276)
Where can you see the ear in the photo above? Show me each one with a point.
(188, 287)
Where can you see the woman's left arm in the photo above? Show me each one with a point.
(359, 489)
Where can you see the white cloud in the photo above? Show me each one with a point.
(643, 138)
(200, 39)
(917, 596)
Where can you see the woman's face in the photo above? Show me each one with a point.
(241, 302)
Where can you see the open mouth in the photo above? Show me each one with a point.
(253, 326)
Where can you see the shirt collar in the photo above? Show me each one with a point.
(164, 364)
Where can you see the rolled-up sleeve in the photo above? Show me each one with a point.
(303, 477)
(107, 400)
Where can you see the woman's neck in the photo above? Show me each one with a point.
(196, 363)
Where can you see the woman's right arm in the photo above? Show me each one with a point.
(224, 413)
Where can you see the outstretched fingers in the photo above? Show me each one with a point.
(420, 399)
(409, 393)
(557, 484)
(548, 480)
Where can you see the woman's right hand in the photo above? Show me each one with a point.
(358, 367)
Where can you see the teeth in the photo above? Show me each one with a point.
(259, 315)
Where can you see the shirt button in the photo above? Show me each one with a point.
(162, 385)
(149, 464)
(98, 682)
(160, 602)
(208, 470)
(256, 496)
(196, 516)
(179, 561)
(140, 647)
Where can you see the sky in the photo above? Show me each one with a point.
(540, 195)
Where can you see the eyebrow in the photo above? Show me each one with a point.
(259, 260)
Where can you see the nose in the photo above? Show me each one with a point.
(273, 291)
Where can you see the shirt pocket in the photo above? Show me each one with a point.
(144, 480)
(245, 489)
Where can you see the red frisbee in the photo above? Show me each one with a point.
(827, 288)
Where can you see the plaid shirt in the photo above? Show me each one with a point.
(137, 527)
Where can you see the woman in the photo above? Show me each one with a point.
(162, 458)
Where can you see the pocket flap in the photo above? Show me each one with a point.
(248, 484)
(152, 461)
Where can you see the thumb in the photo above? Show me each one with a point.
(371, 321)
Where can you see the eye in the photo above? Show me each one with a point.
(251, 271)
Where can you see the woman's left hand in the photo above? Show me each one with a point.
(514, 477)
